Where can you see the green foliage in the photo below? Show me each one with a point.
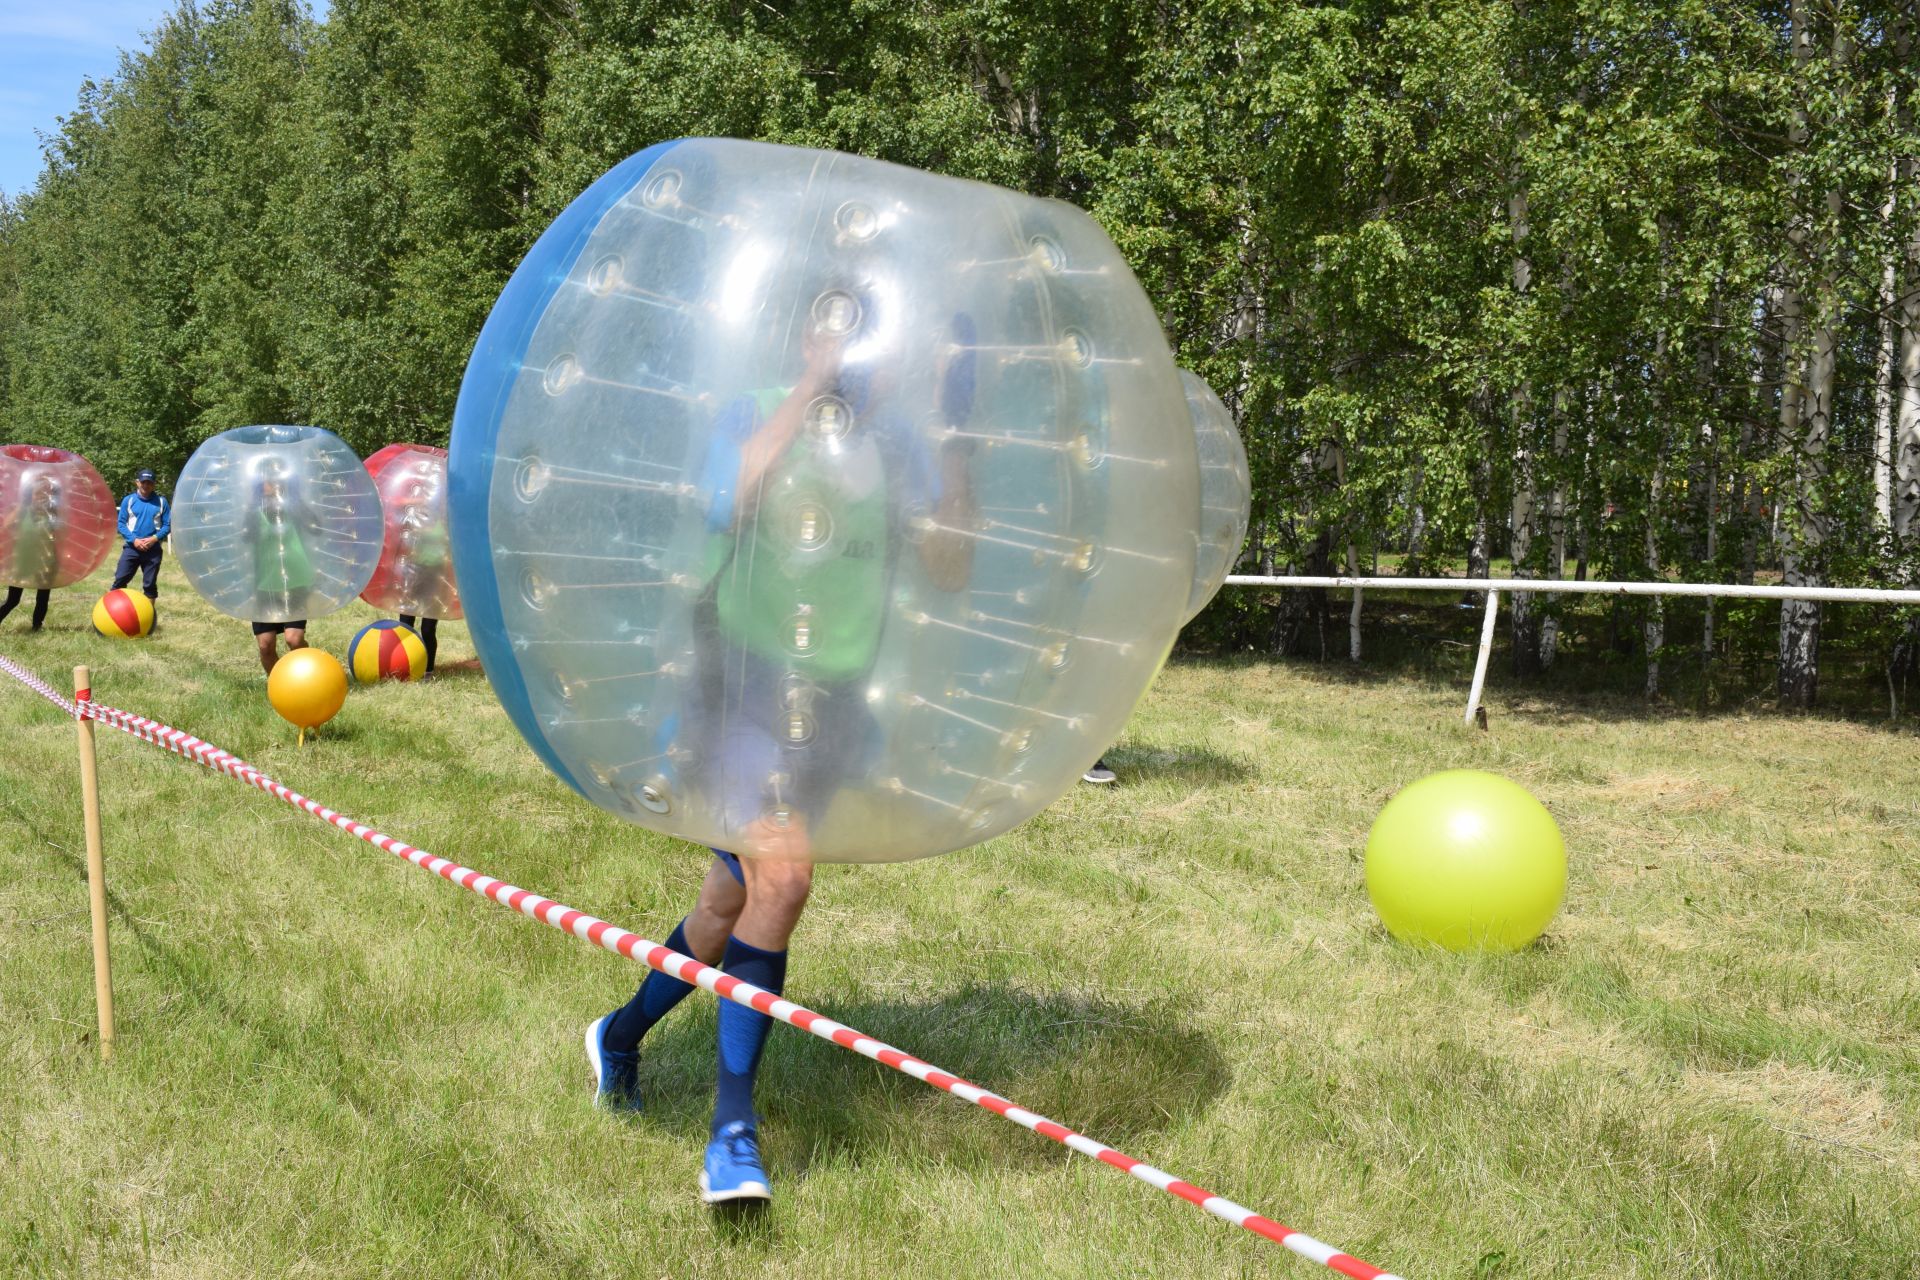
(1453, 265)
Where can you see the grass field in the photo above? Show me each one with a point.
(332, 1064)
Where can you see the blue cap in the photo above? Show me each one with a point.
(145, 473)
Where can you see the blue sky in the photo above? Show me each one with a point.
(47, 47)
(46, 50)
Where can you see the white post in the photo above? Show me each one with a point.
(1486, 650)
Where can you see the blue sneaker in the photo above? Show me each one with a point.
(614, 1071)
(733, 1169)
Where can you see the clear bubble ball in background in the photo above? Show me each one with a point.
(415, 573)
(1226, 490)
(811, 506)
(56, 517)
(276, 523)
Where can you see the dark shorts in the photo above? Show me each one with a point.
(275, 628)
(755, 764)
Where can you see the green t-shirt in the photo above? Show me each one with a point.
(802, 578)
(280, 564)
(36, 548)
(430, 545)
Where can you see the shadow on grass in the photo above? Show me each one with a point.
(1118, 1072)
(745, 1224)
(462, 670)
(1195, 766)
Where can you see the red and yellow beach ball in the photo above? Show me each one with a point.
(123, 613)
(386, 650)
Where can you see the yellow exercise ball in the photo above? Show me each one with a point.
(307, 687)
(1467, 860)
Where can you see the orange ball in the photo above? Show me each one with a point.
(307, 687)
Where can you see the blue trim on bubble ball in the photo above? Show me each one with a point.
(484, 391)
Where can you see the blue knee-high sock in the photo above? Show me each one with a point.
(743, 1031)
(658, 993)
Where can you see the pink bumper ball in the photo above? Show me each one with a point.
(415, 574)
(56, 517)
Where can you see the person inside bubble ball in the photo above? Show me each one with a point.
(280, 565)
(778, 476)
(425, 560)
(36, 548)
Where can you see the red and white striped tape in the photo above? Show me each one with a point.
(36, 684)
(687, 969)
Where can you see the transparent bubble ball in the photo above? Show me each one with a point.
(810, 506)
(276, 523)
(415, 573)
(56, 517)
(1226, 490)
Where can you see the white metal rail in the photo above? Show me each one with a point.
(1562, 586)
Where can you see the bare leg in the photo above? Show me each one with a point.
(776, 895)
(713, 916)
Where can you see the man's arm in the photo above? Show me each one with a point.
(163, 524)
(766, 445)
(946, 552)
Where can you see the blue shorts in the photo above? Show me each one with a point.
(732, 864)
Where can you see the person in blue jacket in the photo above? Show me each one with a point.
(146, 518)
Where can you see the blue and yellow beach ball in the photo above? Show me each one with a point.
(385, 650)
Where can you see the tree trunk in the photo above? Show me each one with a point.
(1556, 532)
(1586, 510)
(1806, 416)
(1904, 482)
(1747, 499)
(1300, 617)
(1886, 374)
(1655, 631)
(1480, 548)
(1353, 559)
(1656, 625)
(1905, 498)
(1416, 520)
(1524, 613)
(1709, 370)
(1353, 617)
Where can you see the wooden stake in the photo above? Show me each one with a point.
(96, 866)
